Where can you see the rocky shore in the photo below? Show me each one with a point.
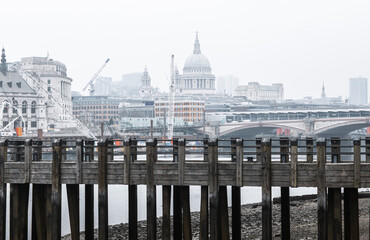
(303, 222)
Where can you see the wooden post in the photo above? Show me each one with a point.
(266, 190)
(177, 199)
(309, 149)
(213, 188)
(56, 191)
(294, 161)
(321, 189)
(335, 198)
(224, 213)
(88, 152)
(166, 198)
(235, 190)
(258, 149)
(3, 188)
(151, 207)
(351, 221)
(18, 211)
(285, 202)
(132, 189)
(27, 160)
(103, 190)
(367, 149)
(110, 153)
(203, 228)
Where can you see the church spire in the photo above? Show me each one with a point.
(196, 45)
(4, 66)
(323, 95)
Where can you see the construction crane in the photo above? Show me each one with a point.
(171, 100)
(41, 91)
(91, 82)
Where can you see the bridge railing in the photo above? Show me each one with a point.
(176, 164)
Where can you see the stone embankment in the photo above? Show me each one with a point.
(303, 221)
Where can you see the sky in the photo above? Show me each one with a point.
(301, 44)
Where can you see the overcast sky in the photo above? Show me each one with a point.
(298, 43)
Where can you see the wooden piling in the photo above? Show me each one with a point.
(56, 191)
(335, 198)
(203, 228)
(235, 190)
(213, 188)
(177, 199)
(309, 149)
(151, 198)
(103, 190)
(321, 190)
(88, 156)
(285, 202)
(3, 188)
(266, 190)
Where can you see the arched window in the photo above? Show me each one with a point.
(24, 107)
(33, 107)
(5, 109)
(15, 105)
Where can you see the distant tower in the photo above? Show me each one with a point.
(3, 66)
(323, 95)
(146, 88)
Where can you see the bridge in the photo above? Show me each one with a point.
(333, 122)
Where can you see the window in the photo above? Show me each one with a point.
(49, 81)
(5, 123)
(10, 84)
(1, 83)
(49, 89)
(24, 107)
(15, 105)
(33, 107)
(5, 110)
(33, 124)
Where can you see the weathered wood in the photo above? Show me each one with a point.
(40, 205)
(27, 160)
(166, 223)
(351, 220)
(285, 200)
(79, 159)
(56, 191)
(203, 224)
(186, 213)
(294, 163)
(151, 207)
(367, 149)
(266, 190)
(89, 189)
(18, 211)
(258, 149)
(73, 196)
(321, 190)
(235, 191)
(357, 163)
(103, 190)
(127, 159)
(224, 215)
(213, 188)
(3, 188)
(309, 149)
(334, 198)
(177, 199)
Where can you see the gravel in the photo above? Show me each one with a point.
(303, 222)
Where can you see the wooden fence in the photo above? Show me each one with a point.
(328, 165)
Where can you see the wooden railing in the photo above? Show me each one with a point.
(328, 165)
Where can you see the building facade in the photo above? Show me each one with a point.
(92, 110)
(358, 91)
(25, 107)
(53, 76)
(187, 110)
(227, 84)
(197, 77)
(256, 92)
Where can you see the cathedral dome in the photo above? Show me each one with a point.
(197, 62)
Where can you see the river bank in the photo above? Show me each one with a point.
(303, 222)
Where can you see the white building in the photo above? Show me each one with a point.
(146, 87)
(358, 91)
(37, 112)
(256, 92)
(53, 76)
(197, 77)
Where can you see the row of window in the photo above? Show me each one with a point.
(182, 114)
(181, 104)
(33, 124)
(94, 107)
(181, 109)
(95, 112)
(24, 107)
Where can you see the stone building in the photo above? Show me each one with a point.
(37, 112)
(197, 77)
(256, 92)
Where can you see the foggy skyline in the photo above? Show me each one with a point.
(299, 44)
